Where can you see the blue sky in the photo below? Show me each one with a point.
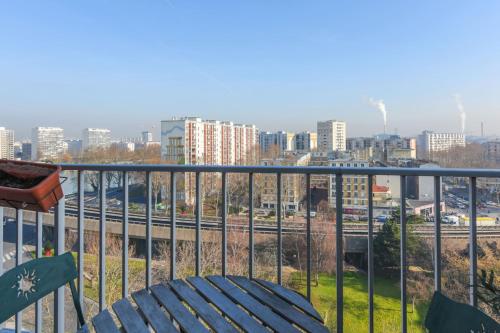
(126, 65)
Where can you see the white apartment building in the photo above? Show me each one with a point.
(354, 187)
(281, 141)
(429, 142)
(47, 143)
(96, 138)
(192, 140)
(306, 141)
(6, 143)
(332, 135)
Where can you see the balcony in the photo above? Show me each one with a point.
(123, 243)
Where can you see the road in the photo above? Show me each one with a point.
(9, 243)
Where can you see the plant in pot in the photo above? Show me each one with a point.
(29, 185)
(48, 249)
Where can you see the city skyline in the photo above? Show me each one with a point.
(126, 66)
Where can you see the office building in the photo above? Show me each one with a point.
(146, 136)
(47, 143)
(276, 143)
(332, 135)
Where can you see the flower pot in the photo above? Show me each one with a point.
(30, 186)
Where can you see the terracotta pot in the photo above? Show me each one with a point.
(41, 196)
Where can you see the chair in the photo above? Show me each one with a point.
(445, 316)
(31, 281)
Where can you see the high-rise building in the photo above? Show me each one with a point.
(96, 138)
(146, 136)
(47, 143)
(26, 151)
(332, 135)
(306, 141)
(192, 140)
(429, 143)
(6, 143)
(277, 142)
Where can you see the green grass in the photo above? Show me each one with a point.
(386, 299)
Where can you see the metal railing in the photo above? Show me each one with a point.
(279, 171)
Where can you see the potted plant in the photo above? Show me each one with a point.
(29, 185)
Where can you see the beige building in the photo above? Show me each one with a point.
(293, 185)
(354, 187)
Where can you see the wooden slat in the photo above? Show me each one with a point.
(202, 308)
(103, 323)
(131, 321)
(153, 313)
(259, 310)
(226, 306)
(277, 304)
(292, 297)
(173, 305)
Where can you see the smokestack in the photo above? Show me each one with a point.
(379, 105)
(482, 129)
(460, 107)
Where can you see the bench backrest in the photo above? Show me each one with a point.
(27, 283)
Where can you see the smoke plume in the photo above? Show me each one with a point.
(380, 105)
(460, 107)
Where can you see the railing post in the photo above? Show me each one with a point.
(280, 229)
(371, 271)
(102, 241)
(173, 225)
(39, 247)
(149, 223)
(60, 211)
(340, 253)
(308, 235)
(125, 236)
(224, 223)
(473, 242)
(198, 224)
(403, 254)
(251, 226)
(19, 259)
(81, 235)
(437, 233)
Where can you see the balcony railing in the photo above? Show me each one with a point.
(307, 172)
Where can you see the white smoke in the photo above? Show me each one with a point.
(380, 105)
(460, 107)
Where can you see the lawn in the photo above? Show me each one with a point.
(387, 304)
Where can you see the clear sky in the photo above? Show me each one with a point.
(126, 65)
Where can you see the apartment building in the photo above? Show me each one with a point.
(47, 143)
(430, 142)
(292, 185)
(93, 138)
(331, 135)
(354, 187)
(383, 147)
(492, 150)
(6, 143)
(306, 142)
